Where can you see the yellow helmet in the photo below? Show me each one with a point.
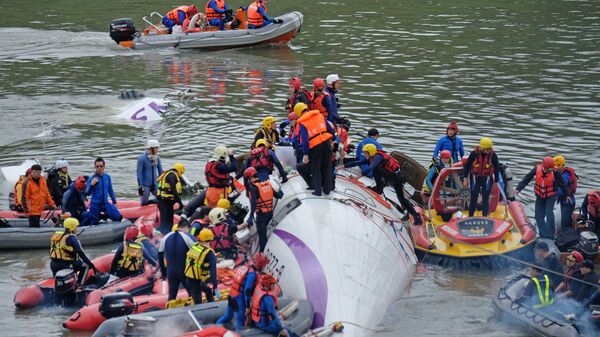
(485, 143)
(179, 168)
(371, 149)
(267, 121)
(206, 235)
(262, 142)
(71, 224)
(223, 203)
(299, 108)
(559, 161)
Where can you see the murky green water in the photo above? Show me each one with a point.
(525, 73)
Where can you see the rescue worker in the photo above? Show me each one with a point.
(66, 251)
(263, 160)
(548, 261)
(569, 286)
(59, 181)
(547, 184)
(567, 201)
(149, 167)
(169, 194)
(74, 200)
(437, 165)
(201, 267)
(451, 142)
(257, 15)
(99, 186)
(178, 15)
(321, 100)
(538, 294)
(261, 196)
(587, 288)
(217, 172)
(297, 95)
(36, 196)
(372, 136)
(331, 102)
(216, 11)
(291, 137)
(201, 222)
(268, 131)
(314, 134)
(145, 239)
(19, 192)
(590, 209)
(386, 171)
(242, 289)
(263, 307)
(129, 257)
(172, 254)
(223, 230)
(484, 167)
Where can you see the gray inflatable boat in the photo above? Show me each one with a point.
(176, 322)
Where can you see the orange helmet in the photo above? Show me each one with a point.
(548, 163)
(296, 83)
(319, 84)
(147, 230)
(80, 183)
(266, 280)
(260, 261)
(131, 233)
(192, 10)
(452, 125)
(250, 172)
(445, 154)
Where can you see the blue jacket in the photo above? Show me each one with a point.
(73, 201)
(213, 5)
(248, 285)
(560, 193)
(267, 305)
(369, 167)
(173, 248)
(304, 137)
(102, 190)
(359, 153)
(147, 174)
(455, 146)
(330, 103)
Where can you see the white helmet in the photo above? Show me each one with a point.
(332, 78)
(217, 215)
(152, 143)
(61, 163)
(220, 153)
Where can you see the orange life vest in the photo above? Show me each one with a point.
(594, 204)
(223, 239)
(572, 183)
(264, 204)
(259, 158)
(388, 163)
(238, 280)
(211, 13)
(174, 13)
(214, 178)
(254, 17)
(482, 166)
(316, 103)
(316, 126)
(18, 192)
(544, 183)
(343, 136)
(259, 293)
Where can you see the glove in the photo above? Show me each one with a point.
(218, 293)
(336, 147)
(140, 191)
(351, 148)
(282, 133)
(284, 179)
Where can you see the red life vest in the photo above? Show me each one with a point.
(259, 293)
(292, 100)
(343, 136)
(223, 239)
(214, 178)
(211, 13)
(544, 183)
(238, 280)
(316, 127)
(482, 166)
(388, 163)
(259, 158)
(316, 103)
(254, 17)
(264, 203)
(174, 13)
(594, 204)
(572, 183)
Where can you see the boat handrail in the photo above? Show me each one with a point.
(145, 18)
(505, 201)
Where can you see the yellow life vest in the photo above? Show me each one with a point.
(544, 296)
(59, 249)
(196, 264)
(164, 188)
(132, 257)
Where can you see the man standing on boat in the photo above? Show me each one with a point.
(483, 164)
(331, 101)
(149, 168)
(216, 13)
(36, 196)
(261, 194)
(172, 253)
(567, 201)
(169, 194)
(451, 142)
(178, 15)
(99, 186)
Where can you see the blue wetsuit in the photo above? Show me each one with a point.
(266, 20)
(173, 248)
(74, 203)
(330, 103)
(454, 145)
(99, 200)
(270, 321)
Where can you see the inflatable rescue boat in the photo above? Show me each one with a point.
(450, 238)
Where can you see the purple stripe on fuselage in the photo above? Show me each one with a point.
(315, 282)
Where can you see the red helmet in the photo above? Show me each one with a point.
(131, 233)
(266, 280)
(147, 230)
(318, 83)
(578, 256)
(548, 163)
(80, 183)
(445, 154)
(250, 172)
(452, 125)
(292, 116)
(260, 261)
(296, 83)
(192, 10)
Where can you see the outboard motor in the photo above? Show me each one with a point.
(65, 284)
(122, 30)
(588, 244)
(116, 304)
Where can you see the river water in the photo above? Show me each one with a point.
(526, 74)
